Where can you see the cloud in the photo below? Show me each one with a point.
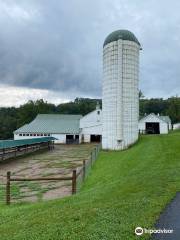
(57, 45)
(17, 96)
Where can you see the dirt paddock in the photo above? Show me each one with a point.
(57, 163)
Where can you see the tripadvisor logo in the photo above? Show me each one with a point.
(139, 231)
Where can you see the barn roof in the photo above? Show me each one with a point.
(17, 143)
(52, 123)
(165, 118)
(161, 118)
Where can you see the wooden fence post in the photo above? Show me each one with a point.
(8, 187)
(15, 151)
(95, 153)
(91, 158)
(74, 182)
(84, 169)
(3, 154)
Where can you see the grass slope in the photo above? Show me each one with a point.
(125, 190)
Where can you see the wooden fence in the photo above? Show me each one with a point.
(75, 174)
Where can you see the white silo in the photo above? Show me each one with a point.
(120, 101)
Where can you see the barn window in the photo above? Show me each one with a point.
(20, 134)
(98, 112)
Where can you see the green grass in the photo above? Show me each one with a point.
(124, 190)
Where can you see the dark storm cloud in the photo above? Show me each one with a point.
(46, 45)
(57, 45)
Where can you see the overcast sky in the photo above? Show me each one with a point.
(53, 49)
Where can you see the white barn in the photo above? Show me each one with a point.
(66, 128)
(176, 126)
(154, 124)
(91, 126)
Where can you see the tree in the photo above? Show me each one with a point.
(13, 118)
(141, 95)
(173, 109)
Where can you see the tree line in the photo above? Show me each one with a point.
(12, 118)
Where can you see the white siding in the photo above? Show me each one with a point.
(91, 119)
(61, 138)
(87, 138)
(153, 118)
(120, 94)
(92, 130)
(91, 124)
(163, 128)
(176, 126)
(18, 137)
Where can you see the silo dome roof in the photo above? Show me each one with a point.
(120, 34)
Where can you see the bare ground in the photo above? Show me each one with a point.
(57, 163)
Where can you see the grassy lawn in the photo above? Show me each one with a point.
(124, 190)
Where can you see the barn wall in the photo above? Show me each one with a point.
(142, 126)
(153, 118)
(91, 124)
(94, 130)
(91, 119)
(170, 126)
(61, 138)
(87, 138)
(17, 137)
(88, 131)
(176, 126)
(163, 128)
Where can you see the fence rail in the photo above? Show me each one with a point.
(77, 178)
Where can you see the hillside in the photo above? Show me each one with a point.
(125, 190)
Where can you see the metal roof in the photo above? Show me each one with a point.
(52, 123)
(165, 118)
(162, 118)
(121, 34)
(17, 143)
